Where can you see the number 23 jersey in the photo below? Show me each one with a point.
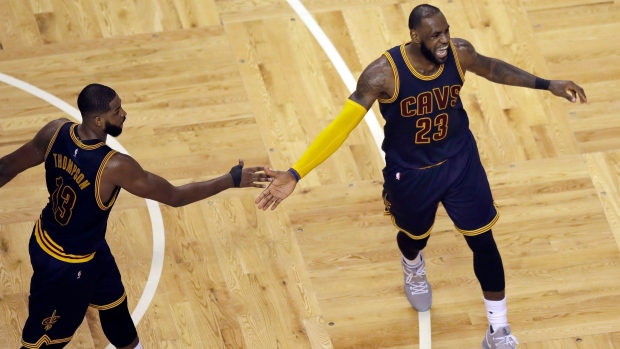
(73, 224)
(425, 120)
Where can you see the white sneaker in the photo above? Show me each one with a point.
(417, 288)
(500, 339)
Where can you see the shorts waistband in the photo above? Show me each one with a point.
(53, 249)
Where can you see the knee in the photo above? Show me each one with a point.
(406, 243)
(483, 243)
(118, 325)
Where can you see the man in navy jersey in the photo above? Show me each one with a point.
(430, 153)
(72, 263)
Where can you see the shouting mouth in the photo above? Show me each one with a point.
(442, 52)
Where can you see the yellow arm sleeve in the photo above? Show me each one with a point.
(331, 138)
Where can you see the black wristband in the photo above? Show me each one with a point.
(541, 84)
(235, 172)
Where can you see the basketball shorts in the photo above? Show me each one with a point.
(61, 292)
(460, 183)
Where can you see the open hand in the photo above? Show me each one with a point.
(282, 185)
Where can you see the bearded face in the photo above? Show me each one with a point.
(428, 54)
(112, 130)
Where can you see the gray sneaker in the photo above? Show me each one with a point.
(417, 288)
(501, 339)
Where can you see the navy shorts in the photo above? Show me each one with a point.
(61, 292)
(460, 183)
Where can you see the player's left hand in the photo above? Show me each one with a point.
(282, 185)
(568, 89)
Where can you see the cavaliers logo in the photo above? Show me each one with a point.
(48, 322)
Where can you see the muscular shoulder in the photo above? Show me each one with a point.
(466, 52)
(53, 125)
(121, 164)
(119, 168)
(376, 81)
(377, 75)
(45, 135)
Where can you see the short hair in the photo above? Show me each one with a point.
(95, 99)
(419, 13)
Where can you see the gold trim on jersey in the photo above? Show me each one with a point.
(53, 249)
(45, 339)
(98, 183)
(458, 63)
(51, 144)
(483, 229)
(396, 80)
(79, 142)
(111, 305)
(414, 237)
(415, 72)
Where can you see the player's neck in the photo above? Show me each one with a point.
(85, 133)
(420, 63)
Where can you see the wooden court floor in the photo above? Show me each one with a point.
(206, 82)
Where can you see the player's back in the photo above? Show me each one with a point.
(73, 224)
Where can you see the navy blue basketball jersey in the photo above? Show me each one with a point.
(425, 120)
(73, 224)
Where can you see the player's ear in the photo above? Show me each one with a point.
(99, 121)
(415, 37)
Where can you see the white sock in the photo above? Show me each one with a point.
(139, 346)
(415, 261)
(496, 313)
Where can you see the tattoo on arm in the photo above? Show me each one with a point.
(508, 74)
(493, 69)
(372, 83)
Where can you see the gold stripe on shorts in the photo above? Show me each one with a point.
(45, 340)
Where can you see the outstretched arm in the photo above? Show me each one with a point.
(125, 172)
(501, 72)
(28, 155)
(376, 81)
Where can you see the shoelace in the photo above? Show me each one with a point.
(416, 287)
(506, 340)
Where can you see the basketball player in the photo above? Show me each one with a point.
(431, 155)
(73, 266)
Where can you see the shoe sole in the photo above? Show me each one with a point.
(421, 311)
(484, 345)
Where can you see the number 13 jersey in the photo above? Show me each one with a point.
(73, 224)
(425, 120)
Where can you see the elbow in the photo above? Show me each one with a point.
(4, 169)
(5, 174)
(176, 202)
(174, 197)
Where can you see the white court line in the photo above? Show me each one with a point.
(339, 64)
(157, 221)
(424, 318)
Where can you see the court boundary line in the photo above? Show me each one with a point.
(424, 318)
(157, 222)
